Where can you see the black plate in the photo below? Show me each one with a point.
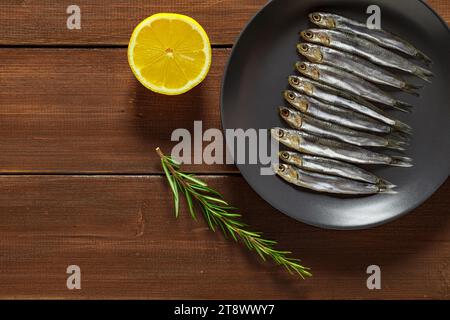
(257, 72)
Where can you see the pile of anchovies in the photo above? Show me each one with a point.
(331, 110)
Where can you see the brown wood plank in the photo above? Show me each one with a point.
(106, 22)
(82, 110)
(122, 233)
(111, 22)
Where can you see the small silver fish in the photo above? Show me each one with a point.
(313, 145)
(326, 183)
(343, 80)
(331, 113)
(311, 88)
(366, 49)
(331, 167)
(327, 112)
(379, 36)
(329, 130)
(354, 64)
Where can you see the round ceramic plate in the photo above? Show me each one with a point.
(257, 72)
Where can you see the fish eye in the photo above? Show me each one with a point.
(285, 155)
(316, 17)
(304, 47)
(281, 168)
(295, 81)
(285, 112)
(308, 34)
(291, 96)
(280, 133)
(302, 66)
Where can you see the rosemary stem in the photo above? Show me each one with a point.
(218, 213)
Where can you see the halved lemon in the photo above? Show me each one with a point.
(169, 53)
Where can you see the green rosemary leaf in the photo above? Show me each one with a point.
(207, 190)
(216, 200)
(229, 208)
(260, 252)
(192, 179)
(208, 218)
(190, 204)
(173, 186)
(168, 175)
(238, 224)
(233, 234)
(224, 230)
(173, 162)
(229, 214)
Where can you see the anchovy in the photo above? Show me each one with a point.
(345, 81)
(355, 65)
(327, 112)
(366, 49)
(310, 144)
(312, 88)
(379, 36)
(329, 130)
(332, 167)
(326, 183)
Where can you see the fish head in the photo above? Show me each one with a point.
(277, 133)
(296, 100)
(301, 84)
(316, 36)
(291, 157)
(323, 20)
(310, 51)
(285, 171)
(308, 69)
(286, 136)
(290, 116)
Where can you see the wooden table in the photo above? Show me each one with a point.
(80, 182)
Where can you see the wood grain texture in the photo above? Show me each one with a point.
(82, 110)
(37, 22)
(112, 22)
(122, 233)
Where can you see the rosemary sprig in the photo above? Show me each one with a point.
(219, 214)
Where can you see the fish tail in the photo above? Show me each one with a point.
(399, 107)
(401, 161)
(385, 184)
(403, 106)
(400, 137)
(403, 127)
(386, 189)
(423, 74)
(413, 86)
(422, 56)
(396, 145)
(410, 88)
